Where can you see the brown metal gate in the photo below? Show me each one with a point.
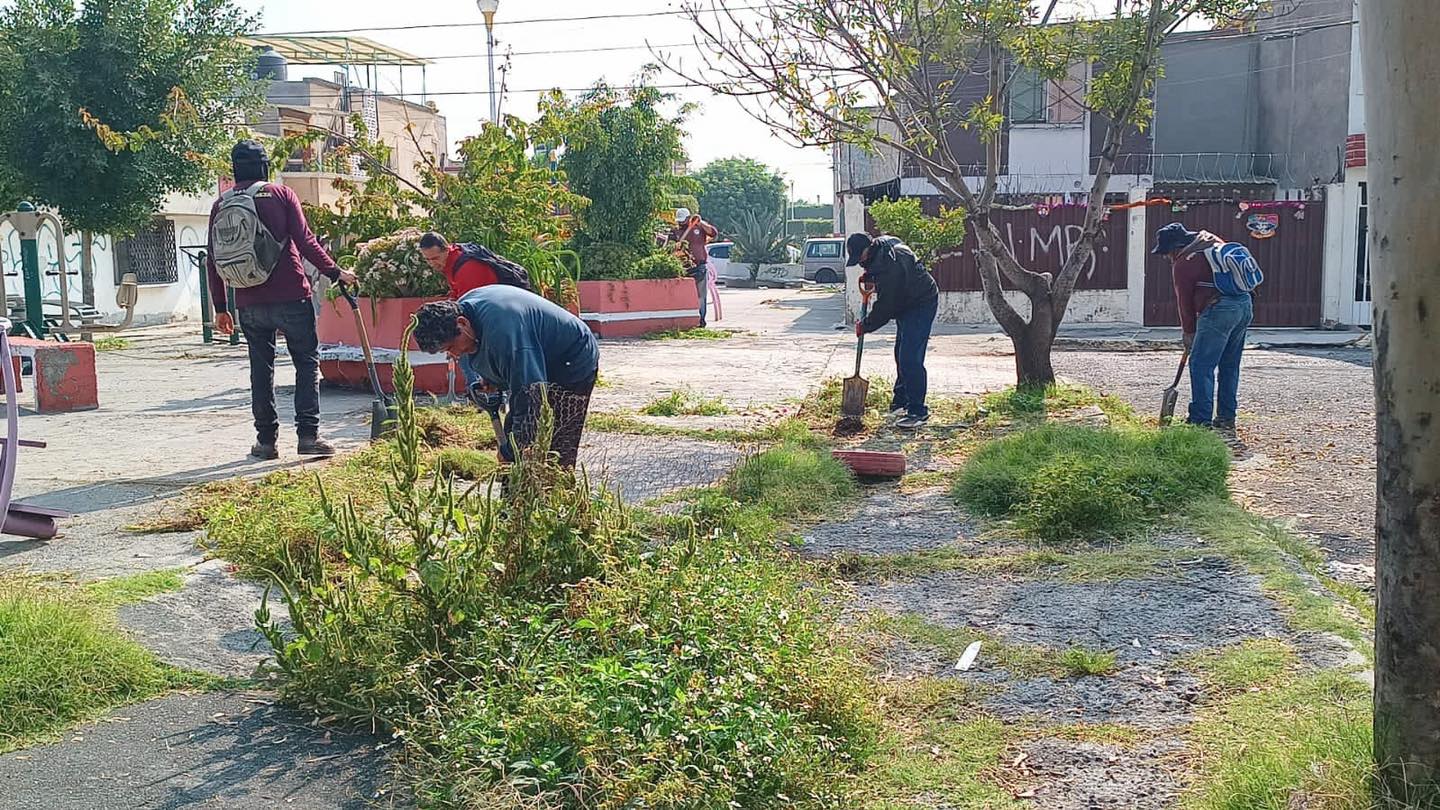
(1293, 260)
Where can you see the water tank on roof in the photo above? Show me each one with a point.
(271, 65)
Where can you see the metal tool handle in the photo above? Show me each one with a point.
(364, 340)
(1180, 372)
(860, 344)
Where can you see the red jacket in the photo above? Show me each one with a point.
(465, 274)
(1191, 271)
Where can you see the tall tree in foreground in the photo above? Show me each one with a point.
(733, 187)
(1402, 77)
(831, 71)
(108, 106)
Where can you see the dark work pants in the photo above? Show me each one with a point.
(912, 339)
(296, 321)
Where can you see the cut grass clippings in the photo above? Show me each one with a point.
(1022, 660)
(111, 343)
(1070, 483)
(685, 402)
(1126, 561)
(63, 660)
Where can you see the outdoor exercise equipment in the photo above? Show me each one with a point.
(22, 520)
(27, 222)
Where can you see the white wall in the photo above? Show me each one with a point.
(1086, 306)
(1357, 77)
(1049, 150)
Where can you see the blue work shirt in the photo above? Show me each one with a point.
(523, 339)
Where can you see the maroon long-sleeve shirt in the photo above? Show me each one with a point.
(1191, 298)
(279, 208)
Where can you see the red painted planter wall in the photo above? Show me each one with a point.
(644, 306)
(385, 322)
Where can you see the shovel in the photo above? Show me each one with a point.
(382, 410)
(1172, 394)
(855, 389)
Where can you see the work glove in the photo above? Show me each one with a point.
(487, 398)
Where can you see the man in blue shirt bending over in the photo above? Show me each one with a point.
(528, 346)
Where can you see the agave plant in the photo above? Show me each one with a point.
(761, 240)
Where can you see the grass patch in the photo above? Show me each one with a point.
(629, 424)
(795, 479)
(1080, 662)
(685, 402)
(1249, 665)
(1065, 482)
(466, 464)
(1128, 561)
(699, 333)
(929, 479)
(458, 425)
(938, 762)
(559, 649)
(1036, 403)
(821, 409)
(128, 590)
(63, 660)
(1023, 660)
(111, 343)
(1302, 742)
(1282, 561)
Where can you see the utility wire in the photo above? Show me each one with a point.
(498, 23)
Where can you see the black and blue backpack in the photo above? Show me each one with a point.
(1233, 269)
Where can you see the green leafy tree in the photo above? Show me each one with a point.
(889, 74)
(620, 150)
(930, 237)
(107, 107)
(733, 186)
(369, 207)
(519, 208)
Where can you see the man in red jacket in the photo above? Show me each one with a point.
(1214, 325)
(281, 304)
(461, 272)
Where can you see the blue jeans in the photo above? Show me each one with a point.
(702, 287)
(1219, 343)
(912, 339)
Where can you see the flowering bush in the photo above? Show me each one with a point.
(393, 267)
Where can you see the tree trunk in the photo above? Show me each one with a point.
(1033, 346)
(1402, 77)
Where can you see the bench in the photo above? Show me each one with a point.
(65, 378)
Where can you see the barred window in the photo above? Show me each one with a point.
(149, 254)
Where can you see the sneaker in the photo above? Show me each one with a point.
(315, 446)
(1223, 425)
(264, 451)
(912, 422)
(897, 413)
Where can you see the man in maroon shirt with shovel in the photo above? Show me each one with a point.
(277, 303)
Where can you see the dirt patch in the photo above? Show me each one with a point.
(1140, 695)
(1066, 775)
(208, 625)
(890, 523)
(645, 467)
(233, 750)
(1148, 621)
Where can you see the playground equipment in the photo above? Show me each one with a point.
(27, 222)
(22, 520)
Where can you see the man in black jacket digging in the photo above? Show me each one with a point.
(906, 294)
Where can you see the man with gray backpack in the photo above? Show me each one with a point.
(1214, 281)
(258, 235)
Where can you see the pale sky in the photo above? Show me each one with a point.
(719, 128)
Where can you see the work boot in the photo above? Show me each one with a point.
(315, 446)
(265, 451)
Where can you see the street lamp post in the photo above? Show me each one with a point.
(488, 8)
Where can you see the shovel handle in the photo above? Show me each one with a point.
(860, 343)
(1180, 372)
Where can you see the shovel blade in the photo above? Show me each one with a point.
(852, 397)
(382, 419)
(1167, 406)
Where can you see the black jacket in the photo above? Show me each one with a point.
(901, 282)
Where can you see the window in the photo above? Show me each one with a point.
(1036, 100)
(823, 250)
(721, 251)
(149, 254)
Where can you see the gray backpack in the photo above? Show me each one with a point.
(245, 250)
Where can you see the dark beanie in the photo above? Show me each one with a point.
(249, 161)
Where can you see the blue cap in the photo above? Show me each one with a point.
(1171, 238)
